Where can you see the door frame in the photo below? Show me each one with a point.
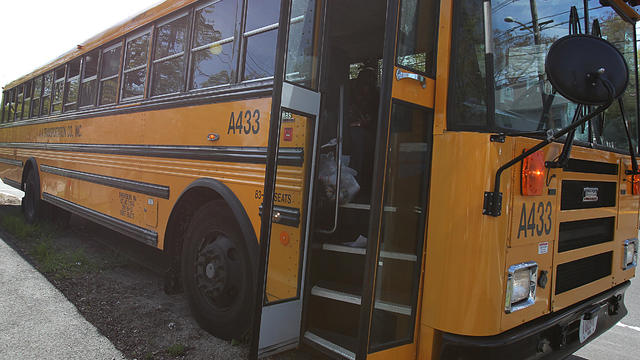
(300, 100)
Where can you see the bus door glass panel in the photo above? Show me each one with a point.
(299, 107)
(404, 189)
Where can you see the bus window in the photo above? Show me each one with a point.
(417, 35)
(261, 35)
(37, 93)
(19, 98)
(467, 96)
(46, 93)
(89, 83)
(135, 66)
(212, 50)
(58, 89)
(7, 106)
(26, 106)
(71, 90)
(169, 57)
(109, 74)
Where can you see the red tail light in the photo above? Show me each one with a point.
(533, 174)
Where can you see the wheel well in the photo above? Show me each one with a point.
(195, 196)
(181, 215)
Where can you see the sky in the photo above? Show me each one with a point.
(34, 32)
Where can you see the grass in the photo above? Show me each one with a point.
(37, 241)
(176, 350)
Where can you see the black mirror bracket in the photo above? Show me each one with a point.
(493, 199)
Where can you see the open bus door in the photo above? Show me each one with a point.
(293, 126)
(361, 287)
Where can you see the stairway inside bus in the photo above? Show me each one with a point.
(350, 85)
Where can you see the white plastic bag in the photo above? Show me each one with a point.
(327, 174)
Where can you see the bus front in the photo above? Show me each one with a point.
(545, 272)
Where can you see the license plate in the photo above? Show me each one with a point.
(587, 327)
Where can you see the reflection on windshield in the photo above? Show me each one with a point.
(523, 32)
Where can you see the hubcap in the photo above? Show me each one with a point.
(218, 270)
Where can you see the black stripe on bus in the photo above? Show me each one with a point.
(12, 183)
(11, 162)
(141, 234)
(288, 216)
(238, 154)
(591, 167)
(124, 184)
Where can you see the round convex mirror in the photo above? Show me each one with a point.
(587, 69)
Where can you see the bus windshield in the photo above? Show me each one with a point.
(523, 32)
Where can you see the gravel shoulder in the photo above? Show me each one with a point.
(116, 284)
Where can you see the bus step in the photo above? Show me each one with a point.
(362, 251)
(350, 297)
(329, 347)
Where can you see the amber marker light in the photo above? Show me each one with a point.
(634, 181)
(284, 238)
(533, 174)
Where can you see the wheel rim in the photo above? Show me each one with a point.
(219, 271)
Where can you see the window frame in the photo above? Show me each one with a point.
(117, 76)
(27, 96)
(83, 79)
(4, 94)
(53, 88)
(149, 29)
(245, 40)
(233, 39)
(19, 100)
(189, 14)
(32, 110)
(67, 80)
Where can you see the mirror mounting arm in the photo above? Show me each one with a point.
(493, 199)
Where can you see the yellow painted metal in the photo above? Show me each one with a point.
(465, 261)
(412, 91)
(443, 61)
(286, 241)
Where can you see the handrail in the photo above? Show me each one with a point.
(338, 163)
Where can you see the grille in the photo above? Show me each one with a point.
(591, 167)
(583, 233)
(573, 194)
(583, 271)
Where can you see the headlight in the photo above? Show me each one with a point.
(630, 254)
(521, 286)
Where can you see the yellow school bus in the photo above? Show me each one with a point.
(400, 179)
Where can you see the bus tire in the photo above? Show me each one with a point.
(32, 206)
(216, 272)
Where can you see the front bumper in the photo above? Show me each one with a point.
(553, 336)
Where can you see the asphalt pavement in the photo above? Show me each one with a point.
(36, 320)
